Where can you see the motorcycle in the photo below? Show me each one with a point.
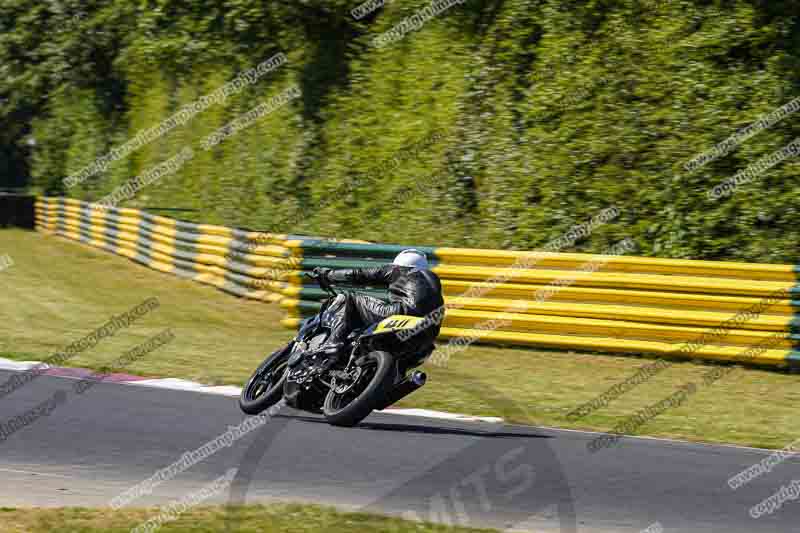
(314, 377)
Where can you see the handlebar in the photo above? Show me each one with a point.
(324, 284)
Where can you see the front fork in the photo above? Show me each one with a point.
(353, 352)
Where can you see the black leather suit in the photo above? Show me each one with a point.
(412, 292)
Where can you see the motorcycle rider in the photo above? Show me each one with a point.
(413, 290)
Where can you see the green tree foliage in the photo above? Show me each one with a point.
(542, 113)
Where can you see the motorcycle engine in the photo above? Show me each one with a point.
(316, 342)
(304, 347)
(299, 389)
(301, 364)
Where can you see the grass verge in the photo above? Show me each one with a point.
(58, 291)
(256, 519)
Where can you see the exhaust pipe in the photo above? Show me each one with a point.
(413, 382)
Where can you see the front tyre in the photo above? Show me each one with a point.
(352, 400)
(265, 387)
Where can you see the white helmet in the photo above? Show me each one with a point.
(411, 258)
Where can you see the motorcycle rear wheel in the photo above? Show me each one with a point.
(351, 406)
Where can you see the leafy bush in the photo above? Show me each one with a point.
(544, 113)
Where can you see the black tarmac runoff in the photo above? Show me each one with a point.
(60, 448)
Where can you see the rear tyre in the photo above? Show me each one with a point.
(265, 387)
(349, 403)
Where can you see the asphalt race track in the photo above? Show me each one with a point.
(94, 446)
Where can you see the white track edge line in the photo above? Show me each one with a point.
(15, 366)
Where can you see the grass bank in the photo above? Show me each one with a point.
(257, 518)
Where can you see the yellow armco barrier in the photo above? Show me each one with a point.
(608, 295)
(623, 304)
(653, 315)
(601, 278)
(643, 265)
(632, 330)
(246, 263)
(613, 345)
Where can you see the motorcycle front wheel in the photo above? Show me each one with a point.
(352, 400)
(265, 387)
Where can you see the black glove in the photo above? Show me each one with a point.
(322, 273)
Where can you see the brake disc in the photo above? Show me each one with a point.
(352, 380)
